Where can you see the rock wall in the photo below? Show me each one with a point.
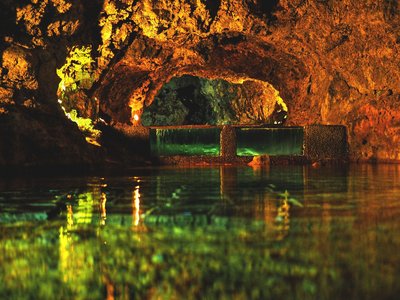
(333, 62)
(34, 131)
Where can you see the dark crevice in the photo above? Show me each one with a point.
(199, 110)
(192, 8)
(213, 7)
(118, 56)
(268, 7)
(180, 102)
(91, 11)
(263, 8)
(228, 39)
(7, 20)
(49, 15)
(390, 9)
(327, 3)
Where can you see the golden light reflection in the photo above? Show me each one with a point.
(136, 205)
(282, 220)
(84, 212)
(103, 210)
(66, 248)
(228, 182)
(276, 215)
(70, 217)
(266, 208)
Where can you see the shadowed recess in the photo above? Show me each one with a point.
(190, 100)
(213, 7)
(263, 7)
(7, 20)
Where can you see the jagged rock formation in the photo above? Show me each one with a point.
(333, 62)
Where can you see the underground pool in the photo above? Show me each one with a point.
(278, 232)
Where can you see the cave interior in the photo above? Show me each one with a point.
(199, 149)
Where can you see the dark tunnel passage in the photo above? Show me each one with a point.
(191, 100)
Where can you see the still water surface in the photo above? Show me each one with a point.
(206, 233)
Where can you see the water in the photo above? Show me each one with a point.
(272, 141)
(185, 141)
(208, 233)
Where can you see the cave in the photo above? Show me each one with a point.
(243, 149)
(190, 100)
(111, 70)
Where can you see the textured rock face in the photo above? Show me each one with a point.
(33, 129)
(333, 62)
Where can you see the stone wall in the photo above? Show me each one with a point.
(325, 143)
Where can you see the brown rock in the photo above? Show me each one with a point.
(19, 65)
(260, 161)
(6, 96)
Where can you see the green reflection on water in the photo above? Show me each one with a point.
(193, 141)
(208, 233)
(272, 141)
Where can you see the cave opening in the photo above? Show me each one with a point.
(192, 100)
(189, 113)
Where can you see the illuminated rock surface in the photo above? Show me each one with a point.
(333, 62)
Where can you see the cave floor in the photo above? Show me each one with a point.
(277, 232)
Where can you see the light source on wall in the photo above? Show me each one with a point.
(136, 114)
(136, 203)
(136, 106)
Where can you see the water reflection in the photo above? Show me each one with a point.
(287, 232)
(103, 209)
(282, 219)
(136, 203)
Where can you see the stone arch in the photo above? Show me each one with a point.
(135, 80)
